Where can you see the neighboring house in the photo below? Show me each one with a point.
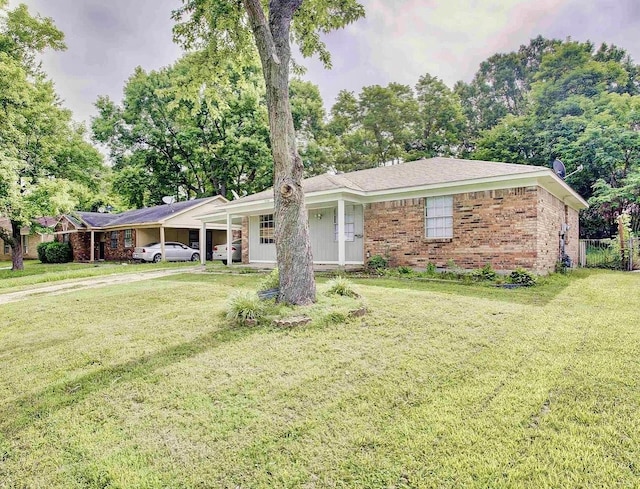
(103, 236)
(436, 211)
(30, 238)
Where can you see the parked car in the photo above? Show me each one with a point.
(220, 251)
(173, 252)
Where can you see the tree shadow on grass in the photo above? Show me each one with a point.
(21, 413)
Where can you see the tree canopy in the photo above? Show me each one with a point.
(388, 125)
(582, 107)
(47, 166)
(175, 134)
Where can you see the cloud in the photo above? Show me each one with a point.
(398, 41)
(402, 40)
(105, 42)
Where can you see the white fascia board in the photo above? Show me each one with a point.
(541, 178)
(266, 205)
(558, 187)
(218, 218)
(223, 227)
(273, 262)
(210, 218)
(60, 219)
(120, 227)
(188, 209)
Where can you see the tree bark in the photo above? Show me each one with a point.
(16, 247)
(293, 246)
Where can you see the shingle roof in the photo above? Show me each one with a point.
(138, 216)
(47, 221)
(43, 221)
(418, 173)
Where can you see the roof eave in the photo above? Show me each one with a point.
(559, 188)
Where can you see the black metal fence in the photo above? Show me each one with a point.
(610, 253)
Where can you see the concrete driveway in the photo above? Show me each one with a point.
(66, 286)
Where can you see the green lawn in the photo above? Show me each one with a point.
(36, 272)
(440, 385)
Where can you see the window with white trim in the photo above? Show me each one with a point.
(267, 229)
(7, 249)
(128, 238)
(349, 223)
(439, 217)
(25, 244)
(114, 240)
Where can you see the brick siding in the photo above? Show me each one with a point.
(81, 245)
(499, 227)
(552, 213)
(120, 253)
(80, 242)
(245, 240)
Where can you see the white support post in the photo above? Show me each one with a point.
(92, 252)
(203, 244)
(341, 237)
(162, 251)
(229, 240)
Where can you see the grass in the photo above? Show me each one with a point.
(440, 385)
(35, 272)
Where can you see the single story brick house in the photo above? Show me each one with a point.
(30, 238)
(434, 210)
(112, 237)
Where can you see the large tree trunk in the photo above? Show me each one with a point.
(16, 247)
(293, 247)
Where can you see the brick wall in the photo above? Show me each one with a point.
(32, 246)
(80, 242)
(552, 214)
(573, 235)
(81, 246)
(245, 240)
(500, 227)
(120, 253)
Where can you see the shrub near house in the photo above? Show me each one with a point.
(55, 252)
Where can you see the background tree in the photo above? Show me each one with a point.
(500, 88)
(313, 139)
(392, 124)
(177, 135)
(232, 29)
(44, 159)
(440, 125)
(583, 108)
(373, 129)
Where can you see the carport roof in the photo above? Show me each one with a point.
(156, 214)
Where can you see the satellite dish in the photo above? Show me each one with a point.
(102, 210)
(168, 199)
(558, 167)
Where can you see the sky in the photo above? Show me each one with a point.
(398, 41)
